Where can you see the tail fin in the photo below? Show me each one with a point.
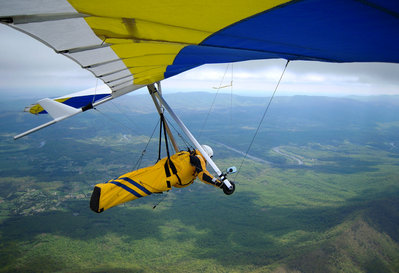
(56, 109)
(58, 112)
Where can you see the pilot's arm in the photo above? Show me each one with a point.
(200, 168)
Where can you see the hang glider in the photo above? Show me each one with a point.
(129, 44)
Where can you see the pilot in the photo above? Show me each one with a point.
(178, 170)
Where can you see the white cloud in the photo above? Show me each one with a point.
(26, 64)
(305, 78)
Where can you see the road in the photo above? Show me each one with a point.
(254, 158)
(297, 159)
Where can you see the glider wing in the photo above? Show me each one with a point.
(132, 43)
(139, 42)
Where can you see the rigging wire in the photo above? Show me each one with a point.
(161, 124)
(138, 163)
(127, 128)
(163, 198)
(115, 120)
(261, 120)
(186, 142)
(95, 92)
(213, 102)
(231, 98)
(130, 121)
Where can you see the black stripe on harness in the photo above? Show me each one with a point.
(174, 170)
(166, 166)
(178, 178)
(169, 164)
(172, 166)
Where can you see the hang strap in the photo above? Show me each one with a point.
(169, 163)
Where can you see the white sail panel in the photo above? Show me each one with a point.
(117, 75)
(107, 68)
(64, 34)
(33, 7)
(93, 56)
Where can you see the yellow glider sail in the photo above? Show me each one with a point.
(146, 33)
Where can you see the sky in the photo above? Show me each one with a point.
(29, 68)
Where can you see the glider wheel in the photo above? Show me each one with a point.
(228, 191)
